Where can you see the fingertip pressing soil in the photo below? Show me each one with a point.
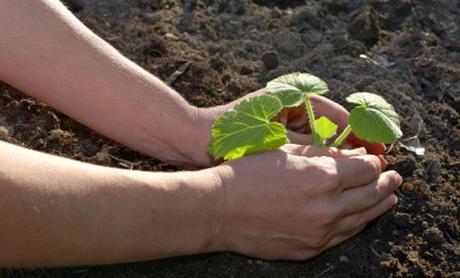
(406, 50)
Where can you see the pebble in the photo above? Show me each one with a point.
(3, 131)
(171, 36)
(434, 169)
(150, 18)
(344, 259)
(402, 219)
(433, 235)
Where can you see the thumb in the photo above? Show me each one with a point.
(299, 138)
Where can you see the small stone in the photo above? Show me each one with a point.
(419, 186)
(4, 132)
(433, 235)
(408, 186)
(344, 259)
(402, 219)
(434, 169)
(171, 36)
(425, 224)
(150, 18)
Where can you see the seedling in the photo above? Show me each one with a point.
(248, 127)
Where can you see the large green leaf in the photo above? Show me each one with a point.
(374, 119)
(291, 88)
(247, 129)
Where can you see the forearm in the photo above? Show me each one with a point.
(55, 211)
(46, 52)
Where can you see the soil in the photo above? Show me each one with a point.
(406, 50)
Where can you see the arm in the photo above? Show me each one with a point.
(55, 212)
(276, 205)
(48, 53)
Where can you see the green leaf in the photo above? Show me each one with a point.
(374, 119)
(291, 88)
(325, 128)
(247, 129)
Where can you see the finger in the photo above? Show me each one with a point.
(359, 170)
(282, 117)
(299, 138)
(372, 148)
(353, 224)
(310, 151)
(304, 129)
(362, 198)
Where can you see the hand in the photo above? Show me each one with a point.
(297, 202)
(296, 121)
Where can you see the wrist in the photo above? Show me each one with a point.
(211, 209)
(202, 122)
(221, 236)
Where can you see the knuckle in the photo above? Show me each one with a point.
(328, 173)
(389, 183)
(329, 215)
(373, 167)
(318, 242)
(334, 152)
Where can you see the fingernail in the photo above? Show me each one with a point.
(356, 152)
(395, 200)
(400, 180)
(384, 162)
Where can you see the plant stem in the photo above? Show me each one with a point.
(311, 118)
(342, 137)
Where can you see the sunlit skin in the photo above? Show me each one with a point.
(291, 203)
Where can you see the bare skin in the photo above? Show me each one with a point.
(291, 203)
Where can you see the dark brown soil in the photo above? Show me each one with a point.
(412, 58)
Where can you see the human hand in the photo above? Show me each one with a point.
(297, 202)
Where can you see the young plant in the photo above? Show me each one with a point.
(373, 119)
(248, 127)
(296, 88)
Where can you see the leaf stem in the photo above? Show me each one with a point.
(342, 137)
(311, 118)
